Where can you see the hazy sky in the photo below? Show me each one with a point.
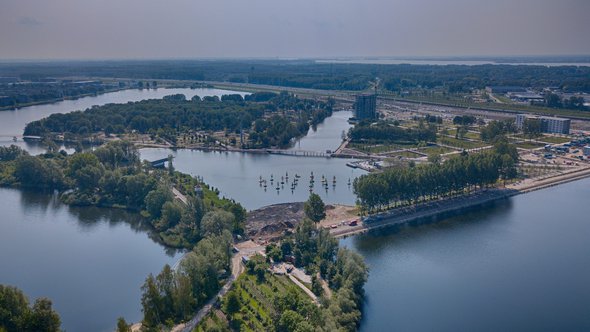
(48, 29)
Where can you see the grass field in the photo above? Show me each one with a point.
(406, 154)
(470, 134)
(461, 144)
(554, 139)
(529, 145)
(434, 150)
(380, 148)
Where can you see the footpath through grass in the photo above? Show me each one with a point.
(260, 303)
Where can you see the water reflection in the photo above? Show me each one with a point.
(50, 249)
(518, 264)
(464, 219)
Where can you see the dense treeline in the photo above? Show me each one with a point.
(424, 182)
(384, 132)
(113, 176)
(16, 315)
(174, 296)
(274, 122)
(309, 74)
(497, 129)
(464, 120)
(555, 101)
(13, 95)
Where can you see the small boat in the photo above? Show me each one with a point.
(14, 138)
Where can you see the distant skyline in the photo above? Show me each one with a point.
(183, 29)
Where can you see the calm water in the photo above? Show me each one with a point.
(327, 135)
(237, 174)
(517, 265)
(521, 265)
(12, 123)
(90, 262)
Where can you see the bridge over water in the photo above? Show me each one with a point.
(300, 153)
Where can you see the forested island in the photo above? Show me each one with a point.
(39, 90)
(260, 120)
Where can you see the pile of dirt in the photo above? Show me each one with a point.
(271, 222)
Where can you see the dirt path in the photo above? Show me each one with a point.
(178, 195)
(325, 286)
(307, 291)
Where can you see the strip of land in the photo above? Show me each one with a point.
(407, 215)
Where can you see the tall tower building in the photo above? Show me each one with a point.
(365, 107)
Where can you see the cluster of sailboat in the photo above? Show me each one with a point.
(279, 184)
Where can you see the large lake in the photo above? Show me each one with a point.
(518, 265)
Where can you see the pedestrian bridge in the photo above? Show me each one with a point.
(300, 153)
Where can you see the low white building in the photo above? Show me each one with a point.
(551, 125)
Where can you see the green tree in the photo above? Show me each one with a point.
(14, 307)
(184, 303)
(151, 302)
(292, 321)
(42, 317)
(171, 214)
(8, 153)
(232, 303)
(215, 222)
(122, 325)
(37, 172)
(314, 208)
(155, 200)
(532, 128)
